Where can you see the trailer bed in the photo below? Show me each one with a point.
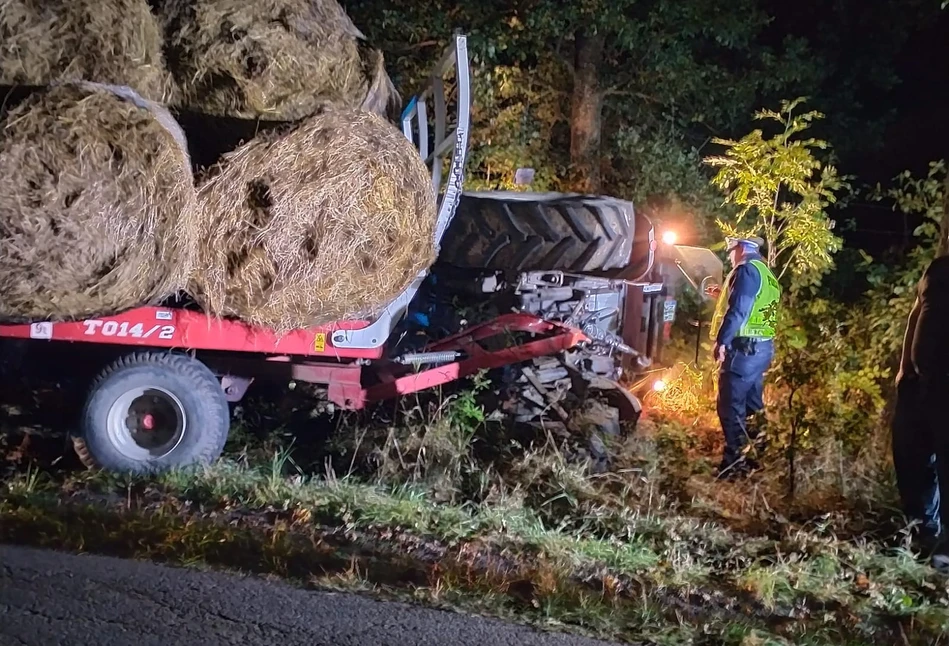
(174, 328)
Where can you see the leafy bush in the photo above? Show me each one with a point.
(833, 372)
(782, 190)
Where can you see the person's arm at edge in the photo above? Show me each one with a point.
(906, 366)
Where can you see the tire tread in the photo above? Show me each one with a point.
(566, 233)
(205, 385)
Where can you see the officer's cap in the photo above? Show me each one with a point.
(751, 244)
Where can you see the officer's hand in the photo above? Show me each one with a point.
(712, 291)
(718, 352)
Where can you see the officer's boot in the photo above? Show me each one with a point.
(736, 464)
(757, 425)
(933, 548)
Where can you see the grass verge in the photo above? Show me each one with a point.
(662, 577)
(443, 507)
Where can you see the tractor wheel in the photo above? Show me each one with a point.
(154, 411)
(608, 414)
(539, 232)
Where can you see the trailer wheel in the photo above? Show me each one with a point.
(154, 411)
(12, 353)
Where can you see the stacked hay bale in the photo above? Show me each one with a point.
(108, 41)
(327, 220)
(267, 59)
(326, 213)
(270, 59)
(97, 209)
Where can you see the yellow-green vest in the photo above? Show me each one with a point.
(762, 321)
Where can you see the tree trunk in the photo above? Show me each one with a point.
(792, 446)
(586, 112)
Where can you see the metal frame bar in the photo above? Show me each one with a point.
(344, 381)
(170, 327)
(416, 112)
(556, 338)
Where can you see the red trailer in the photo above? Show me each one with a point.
(163, 402)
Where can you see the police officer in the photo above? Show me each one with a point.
(743, 329)
(920, 437)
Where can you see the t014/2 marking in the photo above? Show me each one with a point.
(126, 329)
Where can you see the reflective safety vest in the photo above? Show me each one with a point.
(762, 321)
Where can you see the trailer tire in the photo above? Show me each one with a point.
(175, 404)
(539, 232)
(12, 354)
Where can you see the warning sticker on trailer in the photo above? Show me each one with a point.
(319, 342)
(42, 330)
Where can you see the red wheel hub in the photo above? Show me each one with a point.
(148, 421)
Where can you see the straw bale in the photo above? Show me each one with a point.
(271, 59)
(328, 220)
(97, 213)
(108, 41)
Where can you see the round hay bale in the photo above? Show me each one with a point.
(97, 211)
(270, 59)
(108, 41)
(329, 220)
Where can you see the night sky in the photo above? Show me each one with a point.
(919, 133)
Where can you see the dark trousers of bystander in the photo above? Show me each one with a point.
(920, 428)
(916, 456)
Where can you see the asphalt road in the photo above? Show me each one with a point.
(49, 598)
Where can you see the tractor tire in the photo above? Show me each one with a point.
(609, 414)
(512, 231)
(154, 411)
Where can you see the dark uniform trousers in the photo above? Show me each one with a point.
(921, 450)
(740, 391)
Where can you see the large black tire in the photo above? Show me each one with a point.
(512, 231)
(12, 354)
(177, 391)
(610, 411)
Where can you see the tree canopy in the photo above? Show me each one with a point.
(626, 97)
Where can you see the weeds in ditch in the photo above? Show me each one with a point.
(449, 508)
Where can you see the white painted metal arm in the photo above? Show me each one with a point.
(450, 142)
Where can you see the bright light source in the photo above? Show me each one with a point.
(659, 385)
(669, 237)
